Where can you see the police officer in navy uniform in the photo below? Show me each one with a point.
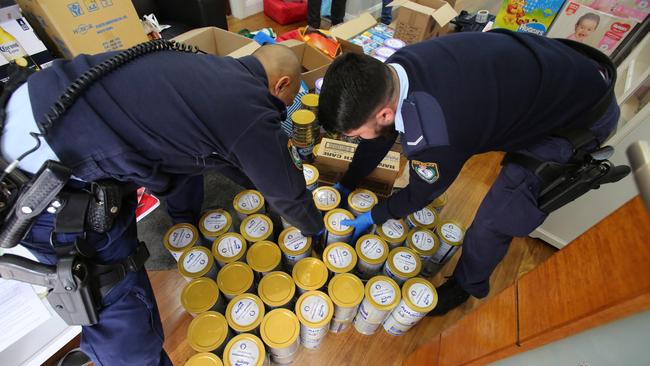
(159, 121)
(452, 97)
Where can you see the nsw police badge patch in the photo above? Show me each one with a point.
(295, 157)
(428, 172)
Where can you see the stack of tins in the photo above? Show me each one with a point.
(382, 295)
(372, 252)
(294, 247)
(247, 203)
(418, 298)
(346, 292)
(361, 201)
(305, 133)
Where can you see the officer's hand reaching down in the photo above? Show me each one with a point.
(360, 224)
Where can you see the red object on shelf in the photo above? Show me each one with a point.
(146, 204)
(285, 12)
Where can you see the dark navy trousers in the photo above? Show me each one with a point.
(510, 209)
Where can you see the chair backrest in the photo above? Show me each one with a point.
(144, 7)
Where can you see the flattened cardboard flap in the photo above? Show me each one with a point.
(353, 27)
(441, 11)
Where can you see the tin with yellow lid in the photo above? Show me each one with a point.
(245, 313)
(346, 291)
(179, 238)
(234, 279)
(248, 202)
(425, 243)
(201, 295)
(335, 231)
(197, 262)
(310, 274)
(294, 246)
(209, 332)
(310, 102)
(245, 349)
(382, 295)
(204, 359)
(439, 203)
(277, 290)
(451, 234)
(315, 311)
(361, 201)
(263, 257)
(372, 252)
(228, 248)
(256, 228)
(419, 297)
(280, 331)
(311, 176)
(402, 264)
(215, 223)
(427, 218)
(326, 198)
(339, 258)
(393, 231)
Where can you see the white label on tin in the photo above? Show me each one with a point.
(244, 353)
(314, 309)
(393, 229)
(372, 248)
(339, 257)
(362, 200)
(181, 237)
(422, 240)
(326, 197)
(308, 173)
(295, 241)
(195, 261)
(230, 246)
(257, 227)
(215, 222)
(394, 43)
(335, 221)
(404, 262)
(382, 292)
(451, 232)
(248, 202)
(245, 312)
(420, 295)
(425, 216)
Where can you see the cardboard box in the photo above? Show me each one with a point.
(344, 32)
(86, 26)
(37, 53)
(418, 20)
(314, 63)
(217, 41)
(529, 17)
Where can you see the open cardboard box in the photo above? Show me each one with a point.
(418, 20)
(218, 42)
(314, 63)
(344, 32)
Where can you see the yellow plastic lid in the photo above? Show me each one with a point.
(204, 359)
(452, 232)
(303, 117)
(280, 328)
(362, 200)
(207, 332)
(314, 309)
(292, 242)
(423, 241)
(245, 312)
(440, 201)
(404, 262)
(420, 295)
(426, 218)
(383, 293)
(263, 256)
(180, 237)
(372, 249)
(248, 202)
(345, 290)
(195, 262)
(310, 100)
(311, 174)
(276, 289)
(339, 257)
(244, 349)
(21, 61)
(199, 295)
(310, 273)
(215, 223)
(229, 247)
(393, 231)
(235, 278)
(256, 227)
(326, 198)
(333, 220)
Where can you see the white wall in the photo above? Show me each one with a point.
(244, 8)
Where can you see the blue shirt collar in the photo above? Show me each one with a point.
(403, 93)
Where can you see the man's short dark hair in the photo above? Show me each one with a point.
(354, 87)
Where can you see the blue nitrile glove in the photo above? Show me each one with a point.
(360, 224)
(263, 39)
(345, 192)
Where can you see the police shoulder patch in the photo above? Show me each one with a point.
(428, 172)
(295, 157)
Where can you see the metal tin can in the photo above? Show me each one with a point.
(305, 132)
(228, 248)
(311, 176)
(439, 203)
(314, 310)
(326, 198)
(204, 359)
(310, 274)
(263, 257)
(402, 264)
(294, 246)
(234, 279)
(277, 290)
(257, 227)
(280, 332)
(213, 224)
(339, 258)
(245, 349)
(419, 297)
(451, 234)
(340, 325)
(364, 327)
(285, 224)
(197, 262)
(393, 232)
(346, 291)
(248, 202)
(318, 85)
(395, 328)
(179, 238)
(372, 252)
(394, 43)
(426, 218)
(361, 201)
(382, 295)
(201, 295)
(245, 313)
(310, 102)
(209, 332)
(335, 231)
(425, 243)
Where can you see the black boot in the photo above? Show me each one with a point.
(450, 295)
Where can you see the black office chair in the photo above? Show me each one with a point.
(184, 15)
